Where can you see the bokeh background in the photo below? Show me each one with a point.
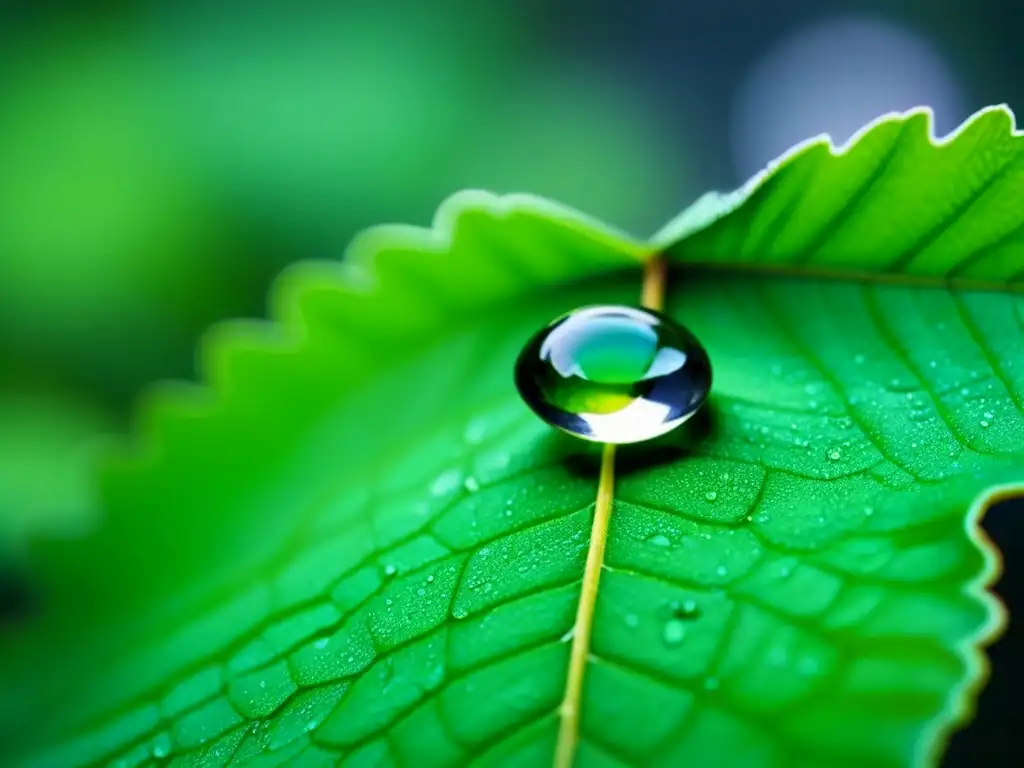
(161, 160)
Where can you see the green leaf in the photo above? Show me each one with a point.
(46, 441)
(355, 545)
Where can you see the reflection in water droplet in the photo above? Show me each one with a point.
(614, 374)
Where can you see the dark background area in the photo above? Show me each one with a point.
(160, 161)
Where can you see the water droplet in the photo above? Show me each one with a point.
(721, 570)
(631, 620)
(835, 454)
(711, 495)
(983, 423)
(321, 643)
(660, 540)
(858, 359)
(161, 746)
(614, 374)
(421, 591)
(390, 570)
(988, 415)
(446, 482)
(475, 432)
(674, 632)
(869, 511)
(471, 484)
(807, 665)
(430, 579)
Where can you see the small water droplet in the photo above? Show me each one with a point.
(390, 570)
(711, 495)
(858, 359)
(631, 620)
(674, 632)
(933, 363)
(659, 540)
(459, 612)
(807, 665)
(721, 570)
(321, 643)
(835, 454)
(430, 579)
(161, 746)
(983, 423)
(869, 511)
(446, 482)
(614, 374)
(421, 591)
(988, 415)
(471, 484)
(475, 432)
(964, 391)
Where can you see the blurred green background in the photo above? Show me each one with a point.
(160, 161)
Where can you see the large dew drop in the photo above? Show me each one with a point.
(614, 374)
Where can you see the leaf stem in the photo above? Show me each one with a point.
(653, 297)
